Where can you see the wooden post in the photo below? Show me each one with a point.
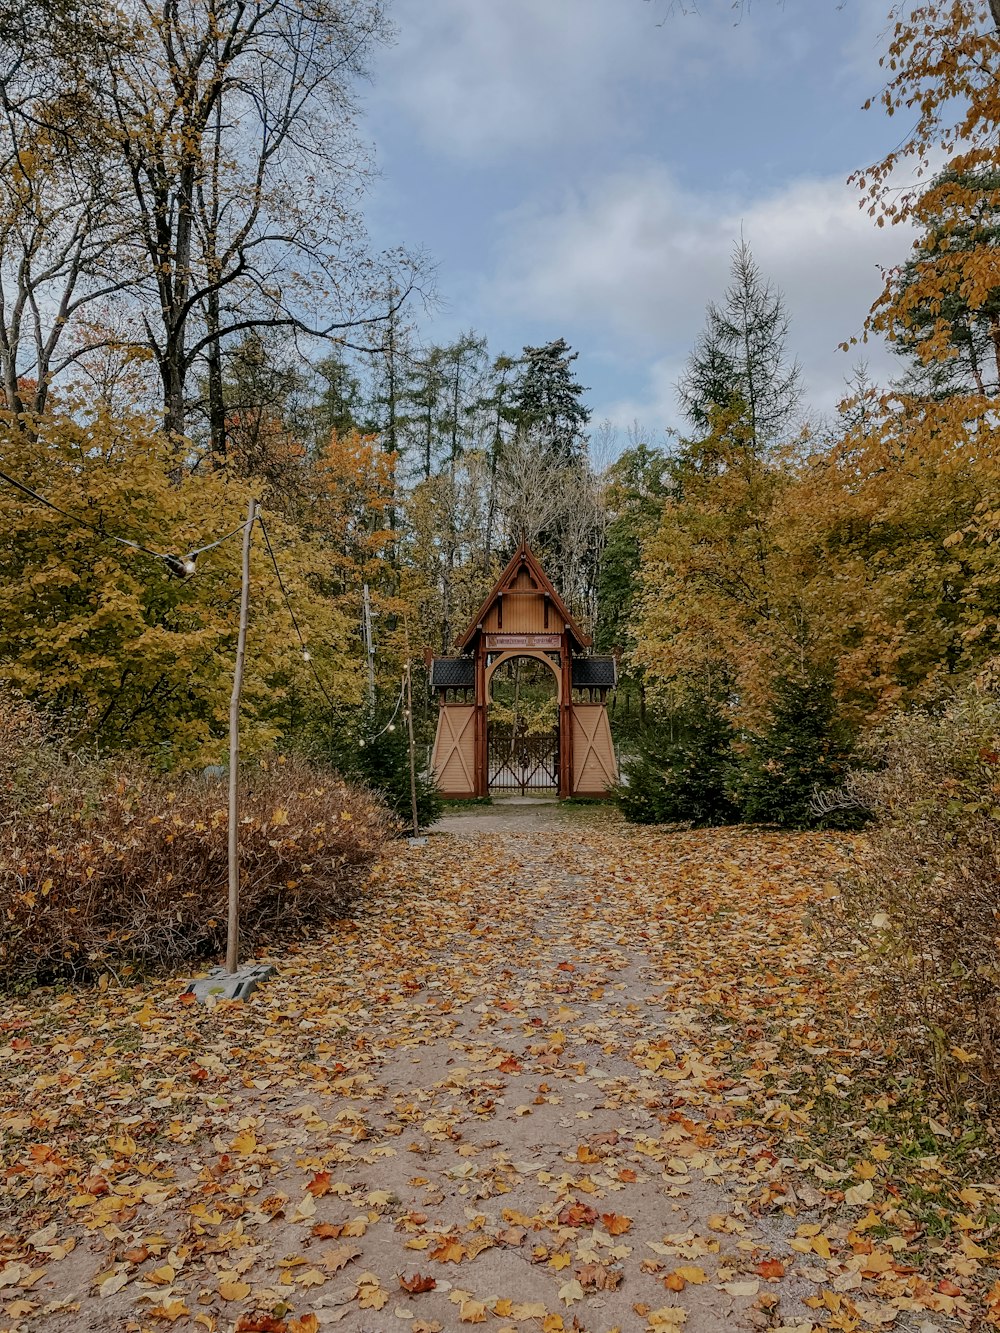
(566, 720)
(481, 747)
(413, 760)
(369, 650)
(233, 925)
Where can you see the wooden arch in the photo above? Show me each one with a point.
(523, 616)
(512, 654)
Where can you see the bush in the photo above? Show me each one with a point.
(803, 747)
(126, 871)
(385, 765)
(682, 770)
(928, 893)
(382, 764)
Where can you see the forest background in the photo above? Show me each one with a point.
(191, 314)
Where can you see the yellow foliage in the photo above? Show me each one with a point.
(136, 657)
(874, 557)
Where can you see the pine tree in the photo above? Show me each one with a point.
(803, 748)
(423, 387)
(546, 400)
(385, 765)
(683, 769)
(338, 398)
(740, 358)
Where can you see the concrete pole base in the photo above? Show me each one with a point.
(223, 985)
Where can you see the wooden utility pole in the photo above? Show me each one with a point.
(369, 649)
(413, 757)
(233, 927)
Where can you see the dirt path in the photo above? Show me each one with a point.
(549, 1079)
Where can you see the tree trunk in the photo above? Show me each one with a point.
(233, 923)
(995, 322)
(172, 375)
(216, 398)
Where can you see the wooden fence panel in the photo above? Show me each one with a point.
(594, 765)
(454, 758)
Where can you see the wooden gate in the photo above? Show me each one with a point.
(528, 765)
(523, 617)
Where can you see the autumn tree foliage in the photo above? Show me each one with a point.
(138, 658)
(942, 60)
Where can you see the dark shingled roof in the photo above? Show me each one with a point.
(594, 672)
(453, 673)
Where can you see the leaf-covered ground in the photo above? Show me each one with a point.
(581, 1077)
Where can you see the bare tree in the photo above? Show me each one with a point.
(64, 235)
(203, 153)
(233, 121)
(558, 507)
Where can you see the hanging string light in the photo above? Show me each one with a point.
(306, 654)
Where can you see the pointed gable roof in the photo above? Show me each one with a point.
(525, 558)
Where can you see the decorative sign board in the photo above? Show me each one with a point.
(504, 642)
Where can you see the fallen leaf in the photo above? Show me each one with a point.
(416, 1283)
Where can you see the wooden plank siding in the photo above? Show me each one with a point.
(594, 765)
(454, 757)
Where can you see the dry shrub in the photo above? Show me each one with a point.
(928, 892)
(126, 870)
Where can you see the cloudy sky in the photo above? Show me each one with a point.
(582, 168)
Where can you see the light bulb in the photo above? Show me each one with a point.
(391, 726)
(306, 655)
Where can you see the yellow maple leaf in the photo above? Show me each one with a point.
(234, 1290)
(170, 1311)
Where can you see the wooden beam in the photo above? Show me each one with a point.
(482, 773)
(566, 722)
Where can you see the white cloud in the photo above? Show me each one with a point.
(634, 259)
(484, 78)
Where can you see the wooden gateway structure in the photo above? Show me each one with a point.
(523, 617)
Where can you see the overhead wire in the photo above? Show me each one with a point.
(389, 725)
(306, 654)
(180, 565)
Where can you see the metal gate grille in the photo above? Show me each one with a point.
(524, 764)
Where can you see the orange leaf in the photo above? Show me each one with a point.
(417, 1284)
(449, 1251)
(320, 1184)
(307, 1323)
(577, 1215)
(327, 1230)
(771, 1269)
